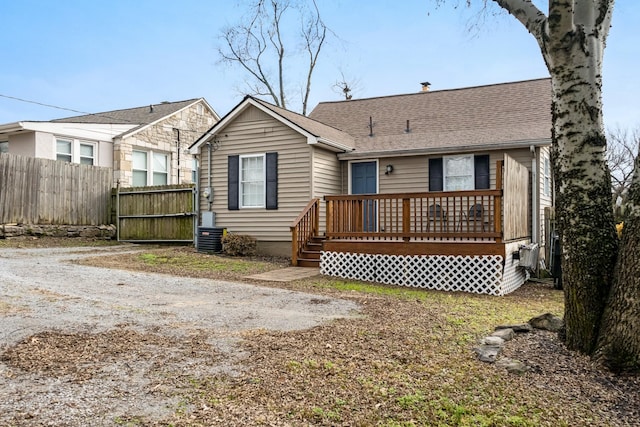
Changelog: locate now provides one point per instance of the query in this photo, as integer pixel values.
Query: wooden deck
(474, 222)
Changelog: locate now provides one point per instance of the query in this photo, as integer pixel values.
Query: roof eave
(335, 146)
(354, 155)
(12, 127)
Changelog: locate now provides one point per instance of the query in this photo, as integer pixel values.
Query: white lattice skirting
(481, 274)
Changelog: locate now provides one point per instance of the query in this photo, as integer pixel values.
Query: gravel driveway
(82, 345)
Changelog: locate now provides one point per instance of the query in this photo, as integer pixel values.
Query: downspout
(209, 198)
(196, 202)
(535, 184)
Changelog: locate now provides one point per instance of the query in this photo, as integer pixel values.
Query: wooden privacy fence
(155, 214)
(516, 200)
(42, 191)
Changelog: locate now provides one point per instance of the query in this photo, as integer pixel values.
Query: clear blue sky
(100, 55)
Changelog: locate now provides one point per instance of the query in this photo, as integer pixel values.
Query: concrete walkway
(286, 274)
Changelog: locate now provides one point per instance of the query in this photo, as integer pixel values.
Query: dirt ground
(84, 342)
(77, 342)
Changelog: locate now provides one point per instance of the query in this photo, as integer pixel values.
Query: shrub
(238, 245)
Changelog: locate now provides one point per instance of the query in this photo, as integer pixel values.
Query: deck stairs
(310, 254)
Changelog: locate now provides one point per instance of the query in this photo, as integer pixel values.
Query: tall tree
(260, 46)
(622, 147)
(572, 38)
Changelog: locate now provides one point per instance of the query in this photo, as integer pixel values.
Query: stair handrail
(304, 227)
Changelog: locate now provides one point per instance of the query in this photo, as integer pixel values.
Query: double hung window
(75, 151)
(86, 154)
(546, 176)
(149, 168)
(460, 172)
(63, 150)
(253, 181)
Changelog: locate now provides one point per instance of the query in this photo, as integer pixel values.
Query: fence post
(406, 218)
(118, 211)
(294, 246)
(329, 216)
(316, 218)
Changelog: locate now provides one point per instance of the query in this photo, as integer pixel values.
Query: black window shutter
(272, 181)
(435, 174)
(481, 168)
(233, 177)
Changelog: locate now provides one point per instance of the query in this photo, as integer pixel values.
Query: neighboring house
(144, 146)
(434, 189)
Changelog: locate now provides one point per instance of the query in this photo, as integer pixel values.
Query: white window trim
(194, 170)
(546, 176)
(149, 170)
(94, 151)
(60, 153)
(75, 148)
(241, 205)
(445, 174)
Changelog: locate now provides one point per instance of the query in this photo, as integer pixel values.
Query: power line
(42, 104)
(81, 112)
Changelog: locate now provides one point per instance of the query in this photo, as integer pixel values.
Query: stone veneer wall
(106, 232)
(161, 138)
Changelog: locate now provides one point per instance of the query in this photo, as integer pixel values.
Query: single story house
(438, 189)
(144, 145)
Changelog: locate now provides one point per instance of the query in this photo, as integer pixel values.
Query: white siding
(254, 132)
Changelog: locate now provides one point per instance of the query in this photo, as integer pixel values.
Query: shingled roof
(316, 131)
(482, 116)
(140, 116)
(314, 127)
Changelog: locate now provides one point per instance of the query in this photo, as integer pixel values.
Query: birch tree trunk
(572, 39)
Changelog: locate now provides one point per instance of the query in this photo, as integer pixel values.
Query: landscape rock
(493, 341)
(547, 322)
(487, 353)
(513, 366)
(505, 334)
(524, 327)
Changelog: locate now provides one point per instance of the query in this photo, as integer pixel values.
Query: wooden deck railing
(445, 215)
(304, 227)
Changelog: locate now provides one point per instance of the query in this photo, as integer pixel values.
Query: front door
(364, 180)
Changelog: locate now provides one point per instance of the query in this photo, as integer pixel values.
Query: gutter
(342, 147)
(444, 150)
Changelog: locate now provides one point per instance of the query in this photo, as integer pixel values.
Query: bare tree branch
(262, 47)
(622, 148)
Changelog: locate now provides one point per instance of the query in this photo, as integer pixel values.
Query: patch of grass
(191, 263)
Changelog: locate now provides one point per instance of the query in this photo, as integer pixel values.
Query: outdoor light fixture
(389, 169)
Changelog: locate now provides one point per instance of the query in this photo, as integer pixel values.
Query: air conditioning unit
(210, 239)
(529, 256)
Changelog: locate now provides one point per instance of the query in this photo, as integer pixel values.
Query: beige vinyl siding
(326, 179)
(410, 174)
(254, 132)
